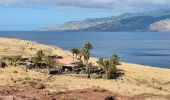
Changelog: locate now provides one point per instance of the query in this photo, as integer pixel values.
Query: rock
(110, 98)
(37, 85)
(30, 65)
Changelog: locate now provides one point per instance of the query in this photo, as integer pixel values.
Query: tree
(90, 65)
(38, 58)
(86, 53)
(88, 46)
(109, 65)
(105, 64)
(49, 62)
(40, 54)
(115, 61)
(77, 51)
(80, 54)
(74, 52)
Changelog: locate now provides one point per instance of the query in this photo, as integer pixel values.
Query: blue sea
(147, 48)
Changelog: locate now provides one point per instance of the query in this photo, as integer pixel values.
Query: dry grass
(137, 79)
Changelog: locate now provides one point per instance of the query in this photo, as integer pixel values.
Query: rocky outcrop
(161, 26)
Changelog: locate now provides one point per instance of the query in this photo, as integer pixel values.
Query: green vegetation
(49, 62)
(38, 59)
(109, 65)
(84, 55)
(41, 60)
(13, 60)
(74, 52)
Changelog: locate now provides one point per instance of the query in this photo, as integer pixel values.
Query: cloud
(111, 5)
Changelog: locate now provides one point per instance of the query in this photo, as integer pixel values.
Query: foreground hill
(139, 81)
(126, 22)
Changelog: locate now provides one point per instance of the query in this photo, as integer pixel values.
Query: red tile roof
(66, 61)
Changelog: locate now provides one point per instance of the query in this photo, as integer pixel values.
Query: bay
(147, 48)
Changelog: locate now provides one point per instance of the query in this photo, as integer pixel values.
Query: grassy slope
(137, 79)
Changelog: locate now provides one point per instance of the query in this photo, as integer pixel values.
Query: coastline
(137, 79)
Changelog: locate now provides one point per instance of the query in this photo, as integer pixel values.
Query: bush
(14, 60)
(2, 64)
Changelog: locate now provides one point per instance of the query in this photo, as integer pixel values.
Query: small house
(67, 64)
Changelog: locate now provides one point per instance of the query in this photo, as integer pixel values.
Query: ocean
(147, 48)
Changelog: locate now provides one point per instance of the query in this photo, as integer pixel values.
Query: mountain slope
(125, 22)
(162, 26)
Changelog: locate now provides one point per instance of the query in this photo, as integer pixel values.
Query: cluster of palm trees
(108, 65)
(83, 55)
(41, 58)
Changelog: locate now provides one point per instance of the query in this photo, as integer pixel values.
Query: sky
(35, 14)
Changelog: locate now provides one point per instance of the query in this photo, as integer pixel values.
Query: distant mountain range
(129, 22)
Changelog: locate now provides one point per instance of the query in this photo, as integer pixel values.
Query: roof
(66, 61)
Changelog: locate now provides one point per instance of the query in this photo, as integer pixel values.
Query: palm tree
(74, 52)
(77, 52)
(80, 54)
(109, 65)
(115, 61)
(86, 53)
(88, 46)
(105, 64)
(86, 56)
(38, 58)
(40, 54)
(90, 65)
(49, 62)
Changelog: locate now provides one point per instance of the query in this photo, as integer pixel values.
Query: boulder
(30, 65)
(37, 85)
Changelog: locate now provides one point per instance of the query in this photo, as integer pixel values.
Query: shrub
(14, 60)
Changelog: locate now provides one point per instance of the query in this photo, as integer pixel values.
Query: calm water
(146, 48)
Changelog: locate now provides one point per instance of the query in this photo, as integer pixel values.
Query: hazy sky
(33, 14)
